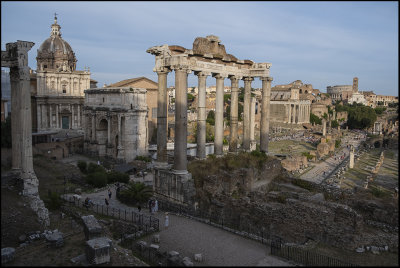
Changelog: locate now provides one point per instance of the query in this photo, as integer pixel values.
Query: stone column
(162, 117)
(351, 163)
(44, 116)
(39, 117)
(119, 132)
(72, 116)
(79, 116)
(265, 106)
(180, 150)
(16, 128)
(290, 113)
(219, 115)
(246, 113)
(323, 127)
(252, 120)
(50, 116)
(57, 117)
(201, 116)
(234, 113)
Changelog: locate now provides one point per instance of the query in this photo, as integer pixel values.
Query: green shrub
(378, 192)
(82, 165)
(337, 143)
(97, 179)
(308, 155)
(135, 193)
(143, 158)
(53, 201)
(92, 168)
(116, 176)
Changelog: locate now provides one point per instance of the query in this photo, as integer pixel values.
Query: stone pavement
(317, 175)
(189, 237)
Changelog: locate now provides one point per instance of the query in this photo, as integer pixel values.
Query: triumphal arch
(207, 58)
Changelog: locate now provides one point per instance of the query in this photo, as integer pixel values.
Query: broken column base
(98, 250)
(178, 186)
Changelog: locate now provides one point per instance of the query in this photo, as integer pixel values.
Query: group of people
(153, 206)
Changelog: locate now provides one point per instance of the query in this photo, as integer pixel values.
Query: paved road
(317, 174)
(189, 237)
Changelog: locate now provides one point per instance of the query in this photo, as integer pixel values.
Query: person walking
(109, 193)
(149, 204)
(166, 221)
(106, 201)
(155, 205)
(139, 208)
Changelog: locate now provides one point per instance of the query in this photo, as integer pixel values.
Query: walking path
(189, 237)
(322, 170)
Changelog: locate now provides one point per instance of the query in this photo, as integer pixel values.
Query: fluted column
(78, 107)
(252, 118)
(201, 116)
(219, 115)
(162, 117)
(246, 113)
(265, 107)
(51, 116)
(108, 130)
(72, 116)
(290, 113)
(234, 113)
(180, 150)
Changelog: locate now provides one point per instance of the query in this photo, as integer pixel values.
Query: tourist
(155, 206)
(166, 222)
(109, 193)
(139, 208)
(105, 199)
(149, 204)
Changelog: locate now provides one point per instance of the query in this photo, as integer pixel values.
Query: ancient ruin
(116, 122)
(207, 57)
(16, 58)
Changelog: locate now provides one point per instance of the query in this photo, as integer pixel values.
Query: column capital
(202, 74)
(181, 67)
(163, 70)
(235, 78)
(219, 76)
(266, 78)
(248, 79)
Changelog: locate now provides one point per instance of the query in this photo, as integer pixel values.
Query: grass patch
(303, 184)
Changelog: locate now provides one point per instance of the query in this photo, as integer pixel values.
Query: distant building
(343, 92)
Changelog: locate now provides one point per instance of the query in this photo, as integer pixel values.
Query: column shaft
(252, 117)
(108, 129)
(51, 116)
(162, 117)
(180, 150)
(234, 114)
(72, 116)
(39, 117)
(79, 116)
(16, 140)
(219, 116)
(265, 107)
(201, 117)
(57, 119)
(246, 113)
(94, 128)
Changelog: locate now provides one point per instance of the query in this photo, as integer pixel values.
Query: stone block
(173, 253)
(154, 247)
(187, 261)
(156, 238)
(78, 191)
(7, 255)
(198, 257)
(92, 227)
(98, 250)
(55, 239)
(141, 245)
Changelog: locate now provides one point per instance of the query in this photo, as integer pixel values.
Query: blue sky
(320, 43)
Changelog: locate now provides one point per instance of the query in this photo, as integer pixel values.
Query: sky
(319, 43)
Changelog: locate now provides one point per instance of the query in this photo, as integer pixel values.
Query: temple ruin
(207, 57)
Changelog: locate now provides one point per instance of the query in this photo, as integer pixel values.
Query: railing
(304, 256)
(140, 219)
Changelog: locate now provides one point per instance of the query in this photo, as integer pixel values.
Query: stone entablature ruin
(58, 95)
(207, 57)
(116, 122)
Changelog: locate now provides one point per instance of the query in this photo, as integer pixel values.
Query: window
(45, 66)
(154, 113)
(64, 89)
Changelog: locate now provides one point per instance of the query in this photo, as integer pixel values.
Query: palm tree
(135, 193)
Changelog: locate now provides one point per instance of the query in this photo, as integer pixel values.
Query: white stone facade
(116, 122)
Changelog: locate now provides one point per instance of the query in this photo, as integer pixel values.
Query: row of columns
(298, 113)
(44, 121)
(181, 73)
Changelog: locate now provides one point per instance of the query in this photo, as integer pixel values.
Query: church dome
(55, 53)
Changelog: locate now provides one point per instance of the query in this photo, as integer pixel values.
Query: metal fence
(147, 222)
(303, 256)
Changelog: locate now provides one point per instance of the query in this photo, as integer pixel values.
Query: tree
(211, 118)
(135, 193)
(315, 119)
(190, 97)
(361, 117)
(334, 124)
